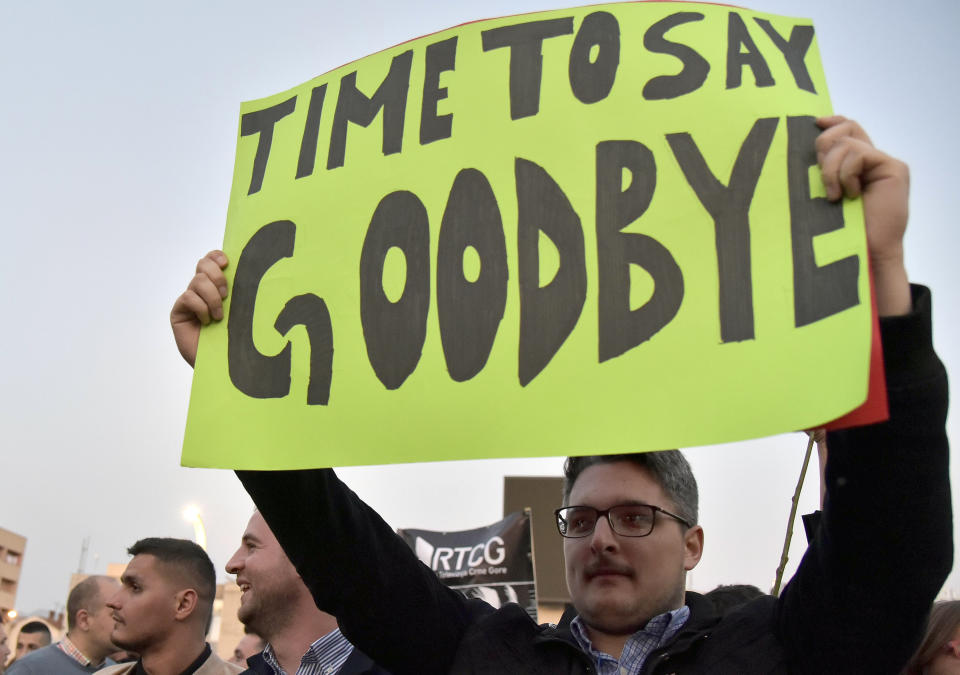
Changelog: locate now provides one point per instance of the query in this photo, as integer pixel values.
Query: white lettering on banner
(502, 551)
(494, 552)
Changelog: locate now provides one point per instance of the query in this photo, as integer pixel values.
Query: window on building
(12, 557)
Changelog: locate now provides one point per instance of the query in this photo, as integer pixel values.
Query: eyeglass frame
(606, 512)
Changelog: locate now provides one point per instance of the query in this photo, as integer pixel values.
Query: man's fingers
(830, 169)
(218, 257)
(190, 307)
(211, 294)
(849, 172)
(211, 268)
(838, 130)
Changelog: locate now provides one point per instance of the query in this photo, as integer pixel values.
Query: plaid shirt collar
(324, 657)
(658, 631)
(71, 650)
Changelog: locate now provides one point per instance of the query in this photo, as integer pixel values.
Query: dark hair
(730, 596)
(189, 559)
(84, 595)
(668, 467)
(31, 627)
(943, 622)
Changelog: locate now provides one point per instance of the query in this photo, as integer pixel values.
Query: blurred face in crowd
(248, 646)
(947, 660)
(31, 642)
(619, 583)
(268, 581)
(97, 622)
(144, 609)
(4, 649)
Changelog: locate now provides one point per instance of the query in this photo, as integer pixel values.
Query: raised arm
(858, 601)
(386, 601)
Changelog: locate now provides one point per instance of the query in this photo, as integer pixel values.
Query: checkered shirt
(658, 631)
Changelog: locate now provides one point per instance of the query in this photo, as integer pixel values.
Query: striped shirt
(658, 631)
(324, 657)
(71, 650)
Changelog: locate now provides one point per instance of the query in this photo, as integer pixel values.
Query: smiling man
(277, 605)
(163, 610)
(857, 604)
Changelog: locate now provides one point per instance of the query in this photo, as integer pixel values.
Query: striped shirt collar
(658, 631)
(324, 657)
(71, 650)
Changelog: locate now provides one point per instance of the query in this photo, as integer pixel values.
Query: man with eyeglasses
(857, 603)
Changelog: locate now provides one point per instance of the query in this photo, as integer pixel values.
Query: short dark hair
(187, 557)
(84, 595)
(32, 627)
(668, 467)
(731, 596)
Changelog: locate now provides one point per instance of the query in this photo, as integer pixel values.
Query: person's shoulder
(34, 662)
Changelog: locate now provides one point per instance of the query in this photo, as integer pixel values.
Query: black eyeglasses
(628, 520)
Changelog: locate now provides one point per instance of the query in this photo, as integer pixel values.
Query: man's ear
(693, 547)
(82, 620)
(186, 603)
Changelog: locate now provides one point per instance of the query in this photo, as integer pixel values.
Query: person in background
(4, 650)
(164, 608)
(276, 604)
(249, 644)
(730, 596)
(939, 653)
(87, 643)
(33, 636)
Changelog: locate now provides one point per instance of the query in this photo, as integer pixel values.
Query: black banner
(493, 563)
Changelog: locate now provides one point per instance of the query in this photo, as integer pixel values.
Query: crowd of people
(328, 587)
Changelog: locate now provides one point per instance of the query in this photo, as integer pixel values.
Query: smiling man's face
(268, 581)
(619, 583)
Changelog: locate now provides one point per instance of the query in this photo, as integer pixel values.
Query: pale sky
(116, 159)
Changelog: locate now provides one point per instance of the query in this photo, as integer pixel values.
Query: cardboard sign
(598, 229)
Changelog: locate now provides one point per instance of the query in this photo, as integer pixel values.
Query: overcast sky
(116, 159)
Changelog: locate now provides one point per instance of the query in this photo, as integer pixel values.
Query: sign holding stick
(594, 229)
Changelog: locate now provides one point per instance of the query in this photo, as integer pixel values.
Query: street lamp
(192, 514)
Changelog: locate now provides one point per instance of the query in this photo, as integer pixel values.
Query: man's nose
(603, 537)
(235, 563)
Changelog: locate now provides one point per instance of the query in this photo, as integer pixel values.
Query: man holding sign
(857, 603)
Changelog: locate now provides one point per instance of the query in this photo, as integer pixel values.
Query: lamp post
(192, 514)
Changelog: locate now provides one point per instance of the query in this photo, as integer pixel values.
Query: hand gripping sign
(594, 229)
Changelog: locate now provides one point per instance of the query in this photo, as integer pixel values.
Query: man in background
(249, 644)
(87, 643)
(275, 604)
(163, 610)
(4, 650)
(33, 635)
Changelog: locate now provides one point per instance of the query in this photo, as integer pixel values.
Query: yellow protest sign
(588, 230)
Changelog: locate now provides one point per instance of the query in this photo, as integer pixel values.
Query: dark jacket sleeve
(884, 545)
(386, 601)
